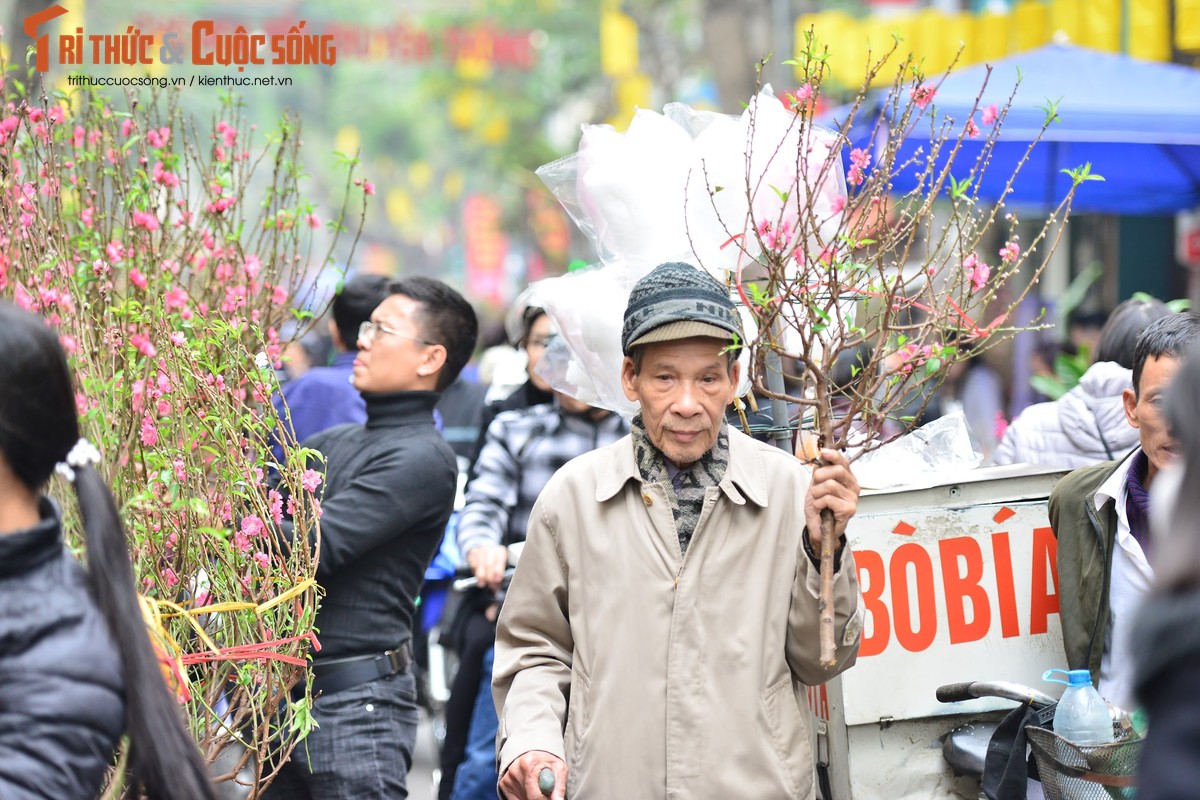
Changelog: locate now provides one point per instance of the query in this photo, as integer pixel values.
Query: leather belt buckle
(395, 661)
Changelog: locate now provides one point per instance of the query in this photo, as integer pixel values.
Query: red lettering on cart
(818, 701)
(872, 581)
(908, 606)
(1043, 603)
(913, 638)
(962, 586)
(1003, 515)
(904, 529)
(1006, 588)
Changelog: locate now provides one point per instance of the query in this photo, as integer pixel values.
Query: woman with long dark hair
(77, 670)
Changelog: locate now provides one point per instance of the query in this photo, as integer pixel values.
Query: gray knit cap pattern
(678, 301)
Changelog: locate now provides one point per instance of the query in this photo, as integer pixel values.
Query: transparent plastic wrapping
(675, 186)
(939, 449)
(588, 309)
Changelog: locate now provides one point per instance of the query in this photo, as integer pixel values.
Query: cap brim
(683, 329)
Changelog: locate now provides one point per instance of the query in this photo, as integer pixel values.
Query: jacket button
(647, 499)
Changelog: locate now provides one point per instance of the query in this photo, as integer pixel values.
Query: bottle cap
(1075, 677)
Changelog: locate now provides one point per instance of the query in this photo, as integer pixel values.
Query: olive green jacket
(1086, 538)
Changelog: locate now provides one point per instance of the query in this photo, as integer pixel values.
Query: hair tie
(81, 455)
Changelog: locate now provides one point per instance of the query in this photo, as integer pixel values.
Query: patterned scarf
(687, 489)
(1137, 503)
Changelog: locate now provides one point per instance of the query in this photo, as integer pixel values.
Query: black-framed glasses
(368, 330)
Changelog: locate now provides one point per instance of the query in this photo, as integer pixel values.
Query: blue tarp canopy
(1136, 122)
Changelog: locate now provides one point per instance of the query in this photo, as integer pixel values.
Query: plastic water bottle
(1082, 716)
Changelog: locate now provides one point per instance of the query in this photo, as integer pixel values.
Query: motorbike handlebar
(462, 584)
(955, 692)
(958, 692)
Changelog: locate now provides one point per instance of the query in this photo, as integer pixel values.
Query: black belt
(337, 674)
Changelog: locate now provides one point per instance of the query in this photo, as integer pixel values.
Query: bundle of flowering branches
(168, 258)
(895, 289)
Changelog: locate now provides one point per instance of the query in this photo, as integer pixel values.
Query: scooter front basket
(1074, 772)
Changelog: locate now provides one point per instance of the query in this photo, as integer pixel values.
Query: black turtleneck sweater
(388, 493)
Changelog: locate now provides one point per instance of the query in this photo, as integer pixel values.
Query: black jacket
(1167, 683)
(388, 493)
(62, 706)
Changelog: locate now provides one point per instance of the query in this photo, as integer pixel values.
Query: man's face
(1144, 412)
(399, 361)
(683, 388)
(535, 347)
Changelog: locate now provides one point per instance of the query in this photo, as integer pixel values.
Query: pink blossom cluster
(775, 239)
(922, 95)
(859, 160)
(976, 271)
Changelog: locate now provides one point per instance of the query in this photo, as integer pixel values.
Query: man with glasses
(389, 487)
(325, 396)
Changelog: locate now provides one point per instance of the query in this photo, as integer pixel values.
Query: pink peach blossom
(923, 95)
(977, 271)
(145, 219)
(149, 434)
(143, 344)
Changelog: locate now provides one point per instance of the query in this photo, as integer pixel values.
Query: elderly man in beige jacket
(663, 618)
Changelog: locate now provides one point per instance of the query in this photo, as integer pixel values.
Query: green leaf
(1081, 174)
(1051, 111)
(1048, 386)
(958, 190)
(1077, 289)
(932, 366)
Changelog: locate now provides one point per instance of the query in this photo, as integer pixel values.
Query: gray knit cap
(678, 301)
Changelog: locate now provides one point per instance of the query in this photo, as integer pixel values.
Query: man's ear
(432, 361)
(1129, 400)
(735, 377)
(628, 380)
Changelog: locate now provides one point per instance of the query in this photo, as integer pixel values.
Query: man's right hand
(520, 780)
(488, 562)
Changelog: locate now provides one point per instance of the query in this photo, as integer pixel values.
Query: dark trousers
(478, 636)
(476, 778)
(363, 748)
